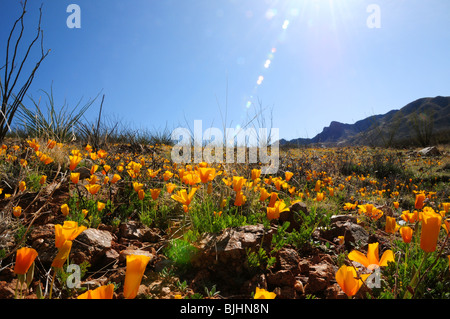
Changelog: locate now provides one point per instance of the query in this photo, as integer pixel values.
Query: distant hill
(423, 122)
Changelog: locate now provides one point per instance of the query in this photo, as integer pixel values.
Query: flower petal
(359, 257)
(388, 255)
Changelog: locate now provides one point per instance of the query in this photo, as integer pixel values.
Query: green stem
(51, 285)
(434, 263)
(17, 287)
(414, 281)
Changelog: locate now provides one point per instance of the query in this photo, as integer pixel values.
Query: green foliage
(210, 293)
(63, 275)
(379, 165)
(418, 275)
(20, 232)
(203, 219)
(94, 217)
(32, 181)
(259, 260)
(155, 215)
(180, 251)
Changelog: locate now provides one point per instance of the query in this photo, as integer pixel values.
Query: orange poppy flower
(75, 177)
(43, 179)
(102, 292)
(288, 176)
(431, 225)
(155, 193)
(141, 194)
(406, 233)
(115, 178)
(22, 186)
(263, 294)
(170, 187)
(65, 209)
(346, 277)
(419, 203)
(275, 211)
(255, 174)
(93, 188)
(240, 199)
(24, 259)
(183, 197)
(264, 194)
(372, 260)
(17, 211)
(68, 231)
(74, 161)
(63, 253)
(391, 225)
(135, 269)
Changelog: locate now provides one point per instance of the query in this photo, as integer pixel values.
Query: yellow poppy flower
(431, 225)
(346, 277)
(372, 261)
(102, 292)
(263, 294)
(135, 269)
(24, 259)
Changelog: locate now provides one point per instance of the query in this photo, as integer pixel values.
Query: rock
(281, 278)
(299, 206)
(96, 239)
(43, 241)
(229, 246)
(136, 230)
(429, 151)
(288, 259)
(84, 172)
(6, 290)
(342, 218)
(7, 273)
(124, 253)
(285, 292)
(289, 216)
(333, 291)
(353, 233)
(320, 276)
(143, 291)
(110, 256)
(44, 231)
(7, 241)
(91, 246)
(258, 280)
(165, 291)
(303, 266)
(298, 286)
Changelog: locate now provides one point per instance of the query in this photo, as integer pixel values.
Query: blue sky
(176, 61)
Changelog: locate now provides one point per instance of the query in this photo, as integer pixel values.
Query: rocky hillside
(422, 122)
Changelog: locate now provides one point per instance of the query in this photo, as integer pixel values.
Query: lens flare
(260, 80)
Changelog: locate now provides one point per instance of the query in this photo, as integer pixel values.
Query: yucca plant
(59, 124)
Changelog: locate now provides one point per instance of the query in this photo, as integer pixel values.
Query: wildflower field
(127, 222)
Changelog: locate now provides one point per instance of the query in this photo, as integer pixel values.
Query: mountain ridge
(422, 122)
